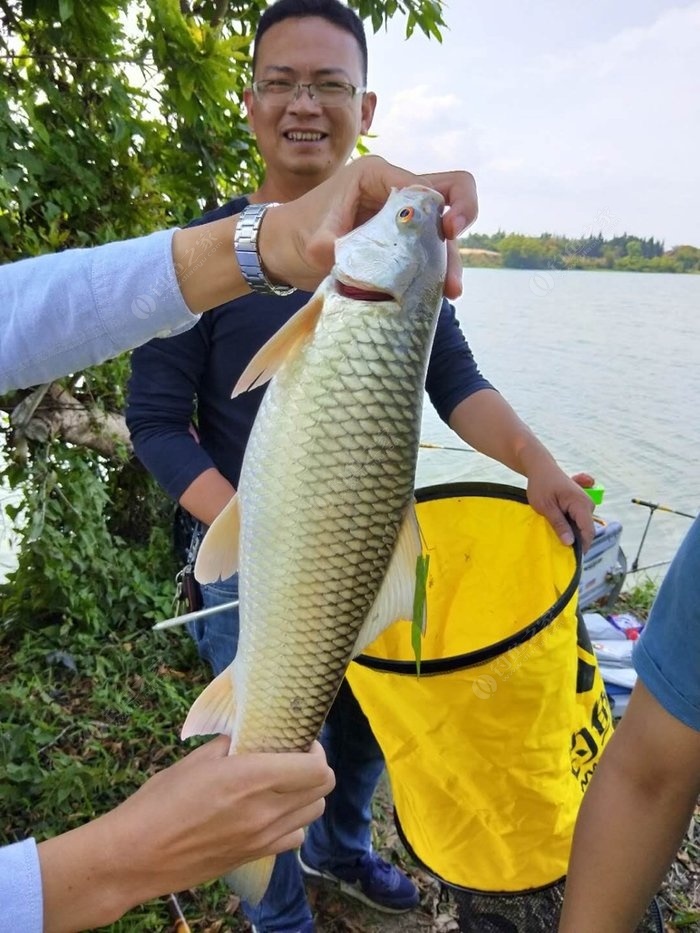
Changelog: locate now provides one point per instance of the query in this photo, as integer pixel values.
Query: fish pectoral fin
(250, 881)
(214, 710)
(217, 558)
(396, 595)
(286, 342)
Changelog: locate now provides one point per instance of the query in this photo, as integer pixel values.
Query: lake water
(605, 368)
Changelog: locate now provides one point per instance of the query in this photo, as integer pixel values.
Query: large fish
(323, 531)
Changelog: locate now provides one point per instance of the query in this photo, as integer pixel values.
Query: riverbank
(623, 253)
(492, 259)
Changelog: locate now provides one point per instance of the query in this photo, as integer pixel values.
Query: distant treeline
(634, 254)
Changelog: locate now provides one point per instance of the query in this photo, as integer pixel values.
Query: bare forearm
(83, 880)
(487, 423)
(632, 819)
(207, 495)
(206, 267)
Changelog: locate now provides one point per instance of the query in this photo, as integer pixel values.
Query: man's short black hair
(332, 10)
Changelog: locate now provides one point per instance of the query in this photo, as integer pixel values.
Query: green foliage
(82, 728)
(639, 598)
(633, 254)
(82, 572)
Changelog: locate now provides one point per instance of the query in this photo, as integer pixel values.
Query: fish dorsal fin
(214, 710)
(395, 597)
(217, 557)
(251, 880)
(283, 344)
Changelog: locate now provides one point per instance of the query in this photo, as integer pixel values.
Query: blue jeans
(343, 834)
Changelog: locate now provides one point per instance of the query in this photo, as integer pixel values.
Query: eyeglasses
(325, 93)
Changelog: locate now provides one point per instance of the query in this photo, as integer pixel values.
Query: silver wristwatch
(245, 244)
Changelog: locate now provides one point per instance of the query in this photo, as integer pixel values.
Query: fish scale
(325, 505)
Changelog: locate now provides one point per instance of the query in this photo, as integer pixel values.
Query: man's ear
(249, 101)
(369, 102)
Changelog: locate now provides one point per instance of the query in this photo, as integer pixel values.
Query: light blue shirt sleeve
(62, 312)
(21, 901)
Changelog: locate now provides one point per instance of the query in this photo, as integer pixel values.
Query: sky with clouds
(573, 117)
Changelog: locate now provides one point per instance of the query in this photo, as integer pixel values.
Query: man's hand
(561, 500)
(188, 824)
(297, 239)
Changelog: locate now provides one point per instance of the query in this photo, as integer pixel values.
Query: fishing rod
(180, 924)
(191, 616)
(653, 507)
(462, 450)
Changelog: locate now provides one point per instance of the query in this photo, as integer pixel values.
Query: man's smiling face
(302, 142)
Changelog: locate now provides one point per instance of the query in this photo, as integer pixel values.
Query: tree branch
(220, 11)
(61, 415)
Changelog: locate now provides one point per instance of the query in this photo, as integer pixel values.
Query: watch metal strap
(245, 244)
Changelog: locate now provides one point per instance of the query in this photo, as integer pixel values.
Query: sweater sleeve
(21, 900)
(452, 371)
(62, 312)
(165, 375)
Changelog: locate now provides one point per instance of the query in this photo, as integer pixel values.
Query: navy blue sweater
(188, 379)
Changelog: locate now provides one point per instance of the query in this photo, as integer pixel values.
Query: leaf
(186, 80)
(419, 601)
(11, 176)
(65, 9)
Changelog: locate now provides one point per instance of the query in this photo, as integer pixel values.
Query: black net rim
(489, 652)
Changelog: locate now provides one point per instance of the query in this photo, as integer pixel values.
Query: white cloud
(422, 126)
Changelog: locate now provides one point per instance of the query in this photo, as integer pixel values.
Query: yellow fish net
(489, 750)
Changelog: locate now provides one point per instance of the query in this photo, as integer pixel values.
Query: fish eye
(405, 215)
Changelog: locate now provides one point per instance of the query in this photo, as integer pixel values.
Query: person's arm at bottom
(188, 824)
(632, 819)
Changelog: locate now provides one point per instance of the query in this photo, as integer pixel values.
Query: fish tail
(251, 880)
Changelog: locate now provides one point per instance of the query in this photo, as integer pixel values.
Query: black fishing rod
(653, 507)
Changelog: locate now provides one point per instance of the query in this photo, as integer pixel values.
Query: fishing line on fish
(191, 616)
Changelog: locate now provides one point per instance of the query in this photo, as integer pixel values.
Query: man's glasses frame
(325, 93)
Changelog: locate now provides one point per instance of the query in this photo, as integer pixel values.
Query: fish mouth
(360, 291)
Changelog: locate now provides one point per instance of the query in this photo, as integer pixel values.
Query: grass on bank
(83, 722)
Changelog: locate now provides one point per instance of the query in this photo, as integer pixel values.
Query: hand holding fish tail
(188, 824)
(348, 199)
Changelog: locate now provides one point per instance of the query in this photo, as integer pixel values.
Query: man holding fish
(307, 106)
(209, 813)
